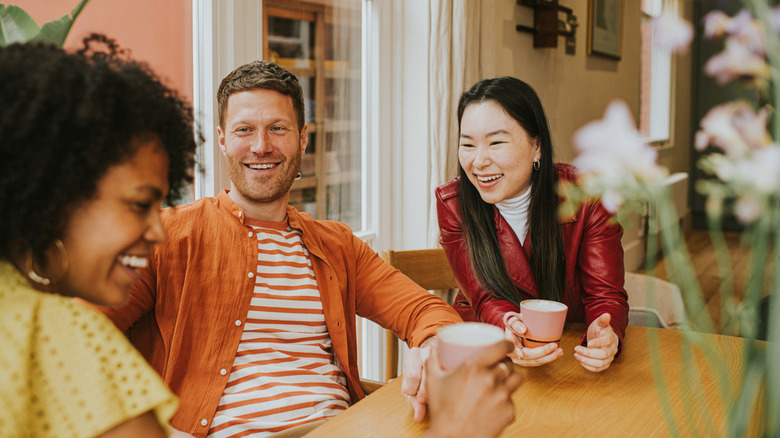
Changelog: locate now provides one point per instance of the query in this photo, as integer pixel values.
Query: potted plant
(17, 26)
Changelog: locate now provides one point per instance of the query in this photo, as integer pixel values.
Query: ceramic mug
(543, 320)
(459, 342)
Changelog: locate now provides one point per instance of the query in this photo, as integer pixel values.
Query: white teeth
(489, 178)
(133, 261)
(261, 166)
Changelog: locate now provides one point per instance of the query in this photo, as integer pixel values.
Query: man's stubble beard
(282, 184)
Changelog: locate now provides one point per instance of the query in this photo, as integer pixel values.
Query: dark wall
(706, 93)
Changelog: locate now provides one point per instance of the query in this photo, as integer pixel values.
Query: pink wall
(158, 32)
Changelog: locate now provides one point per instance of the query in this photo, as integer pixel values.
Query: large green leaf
(16, 25)
(56, 31)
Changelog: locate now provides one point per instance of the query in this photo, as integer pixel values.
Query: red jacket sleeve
(600, 268)
(472, 298)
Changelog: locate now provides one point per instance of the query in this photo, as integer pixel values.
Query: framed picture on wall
(605, 22)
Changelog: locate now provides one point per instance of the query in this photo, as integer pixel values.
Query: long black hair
(520, 102)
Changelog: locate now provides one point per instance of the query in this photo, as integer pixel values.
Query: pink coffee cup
(543, 320)
(459, 342)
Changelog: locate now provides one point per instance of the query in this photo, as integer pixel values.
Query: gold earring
(44, 281)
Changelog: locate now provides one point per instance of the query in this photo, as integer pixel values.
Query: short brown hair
(261, 75)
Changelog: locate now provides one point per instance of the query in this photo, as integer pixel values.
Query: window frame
(228, 34)
(656, 117)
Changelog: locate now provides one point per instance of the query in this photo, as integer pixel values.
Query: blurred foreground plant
(743, 157)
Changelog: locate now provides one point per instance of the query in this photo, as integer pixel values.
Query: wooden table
(564, 399)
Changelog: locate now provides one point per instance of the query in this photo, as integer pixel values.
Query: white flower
(671, 32)
(747, 210)
(774, 18)
(735, 128)
(721, 166)
(614, 160)
(737, 60)
(761, 172)
(715, 24)
(611, 200)
(753, 178)
(747, 32)
(745, 52)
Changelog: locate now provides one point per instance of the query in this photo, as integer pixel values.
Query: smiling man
(248, 311)
(263, 140)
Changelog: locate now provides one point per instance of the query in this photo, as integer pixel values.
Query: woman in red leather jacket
(503, 236)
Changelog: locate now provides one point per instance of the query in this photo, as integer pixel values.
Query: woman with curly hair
(91, 144)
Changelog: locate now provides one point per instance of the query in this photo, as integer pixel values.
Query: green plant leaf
(56, 31)
(16, 25)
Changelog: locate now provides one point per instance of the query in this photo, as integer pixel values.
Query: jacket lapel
(515, 256)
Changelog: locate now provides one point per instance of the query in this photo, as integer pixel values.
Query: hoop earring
(44, 281)
(537, 165)
(298, 176)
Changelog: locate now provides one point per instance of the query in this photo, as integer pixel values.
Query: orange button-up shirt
(187, 314)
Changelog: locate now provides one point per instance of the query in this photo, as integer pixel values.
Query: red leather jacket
(594, 262)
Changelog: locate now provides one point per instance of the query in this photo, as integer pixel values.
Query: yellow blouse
(65, 370)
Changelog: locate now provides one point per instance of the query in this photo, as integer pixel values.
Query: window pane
(655, 79)
(652, 7)
(645, 72)
(320, 42)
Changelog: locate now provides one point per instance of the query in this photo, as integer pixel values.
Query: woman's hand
(514, 332)
(473, 400)
(602, 345)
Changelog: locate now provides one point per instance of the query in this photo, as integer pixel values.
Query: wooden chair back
(428, 268)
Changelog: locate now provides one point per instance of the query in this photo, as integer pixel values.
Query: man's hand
(602, 345)
(414, 383)
(475, 399)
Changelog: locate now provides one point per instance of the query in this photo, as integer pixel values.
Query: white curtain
(342, 157)
(454, 66)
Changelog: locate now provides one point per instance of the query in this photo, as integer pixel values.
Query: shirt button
(251, 275)
(223, 371)
(204, 422)
(239, 215)
(238, 323)
(250, 234)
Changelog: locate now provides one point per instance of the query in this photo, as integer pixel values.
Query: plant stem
(765, 363)
(654, 344)
(727, 322)
(760, 9)
(758, 234)
(755, 368)
(773, 335)
(680, 266)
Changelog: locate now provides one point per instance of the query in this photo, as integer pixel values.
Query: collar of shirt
(515, 211)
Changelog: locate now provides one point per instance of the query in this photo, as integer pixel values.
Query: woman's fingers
(531, 357)
(594, 359)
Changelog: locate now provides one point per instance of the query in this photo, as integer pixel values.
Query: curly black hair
(65, 119)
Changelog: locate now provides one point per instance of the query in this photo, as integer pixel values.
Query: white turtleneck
(515, 211)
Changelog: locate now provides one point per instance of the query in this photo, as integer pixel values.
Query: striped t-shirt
(284, 373)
